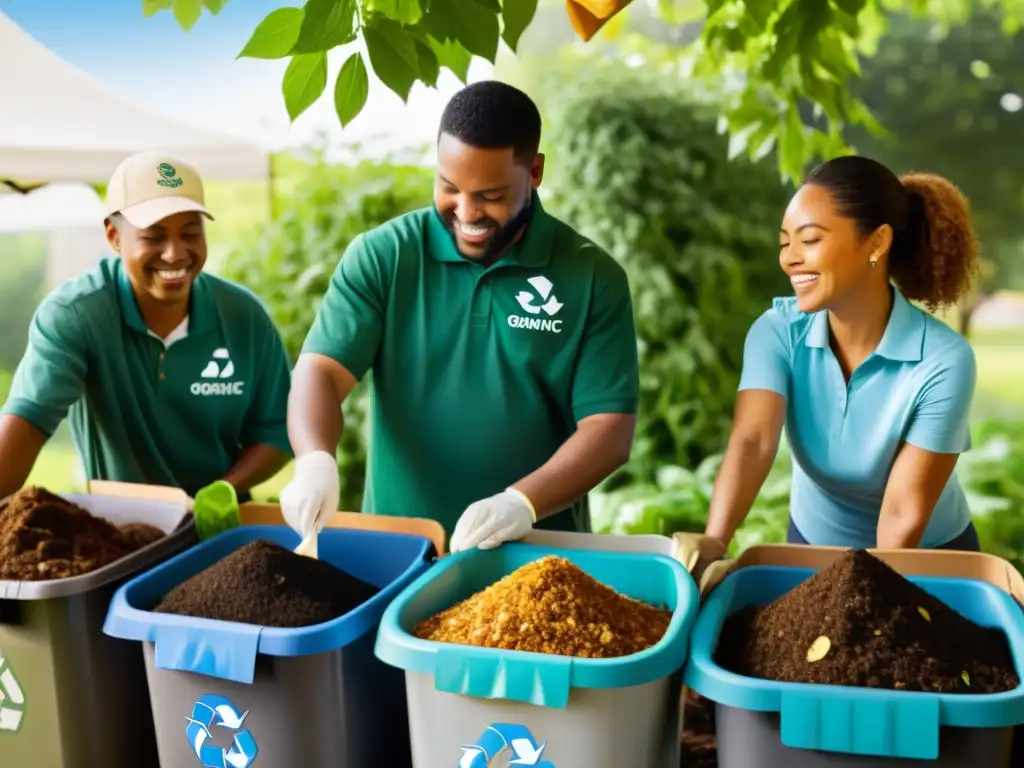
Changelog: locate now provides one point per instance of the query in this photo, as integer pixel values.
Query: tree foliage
(771, 55)
(402, 42)
(778, 54)
(642, 171)
(289, 260)
(966, 122)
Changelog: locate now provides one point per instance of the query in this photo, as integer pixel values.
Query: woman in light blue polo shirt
(875, 394)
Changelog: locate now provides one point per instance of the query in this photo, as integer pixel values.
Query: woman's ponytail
(934, 258)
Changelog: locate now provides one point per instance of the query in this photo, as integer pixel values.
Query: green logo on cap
(170, 176)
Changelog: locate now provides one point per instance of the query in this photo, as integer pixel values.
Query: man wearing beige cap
(169, 375)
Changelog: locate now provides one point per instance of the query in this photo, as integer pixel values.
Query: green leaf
(351, 89)
(472, 25)
(494, 6)
(402, 11)
(215, 6)
(304, 81)
(150, 7)
(516, 16)
(275, 36)
(792, 145)
(452, 55)
(428, 67)
(326, 24)
(392, 54)
(739, 140)
(187, 12)
(852, 7)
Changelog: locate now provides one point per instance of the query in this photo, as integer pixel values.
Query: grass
(1000, 389)
(1000, 356)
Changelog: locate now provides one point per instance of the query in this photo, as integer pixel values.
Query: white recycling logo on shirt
(544, 288)
(213, 369)
(12, 698)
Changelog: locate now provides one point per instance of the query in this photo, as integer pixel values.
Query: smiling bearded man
(170, 376)
(502, 345)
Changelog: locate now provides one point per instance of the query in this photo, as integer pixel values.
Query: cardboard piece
(139, 491)
(253, 513)
(908, 562)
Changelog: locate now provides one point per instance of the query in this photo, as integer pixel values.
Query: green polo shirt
(479, 374)
(141, 411)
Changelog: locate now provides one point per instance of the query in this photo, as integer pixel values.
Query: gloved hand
(713, 575)
(506, 516)
(702, 556)
(312, 495)
(697, 551)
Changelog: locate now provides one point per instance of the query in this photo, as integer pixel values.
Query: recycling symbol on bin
(213, 710)
(498, 737)
(12, 698)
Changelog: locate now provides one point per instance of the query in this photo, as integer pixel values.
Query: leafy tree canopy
(772, 55)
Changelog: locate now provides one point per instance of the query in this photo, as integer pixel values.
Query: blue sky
(195, 77)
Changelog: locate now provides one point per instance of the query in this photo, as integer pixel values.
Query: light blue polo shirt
(917, 387)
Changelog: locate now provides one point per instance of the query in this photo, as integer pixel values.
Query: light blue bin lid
(227, 649)
(536, 678)
(868, 721)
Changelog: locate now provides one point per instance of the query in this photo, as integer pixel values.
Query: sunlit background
(635, 161)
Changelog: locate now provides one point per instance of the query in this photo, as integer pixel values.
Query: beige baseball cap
(150, 186)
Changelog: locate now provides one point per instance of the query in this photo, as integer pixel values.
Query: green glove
(216, 509)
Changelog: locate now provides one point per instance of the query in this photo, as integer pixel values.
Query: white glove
(506, 516)
(312, 495)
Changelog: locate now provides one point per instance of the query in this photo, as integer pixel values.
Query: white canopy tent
(70, 217)
(57, 124)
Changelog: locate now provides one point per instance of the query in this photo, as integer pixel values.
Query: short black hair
(493, 115)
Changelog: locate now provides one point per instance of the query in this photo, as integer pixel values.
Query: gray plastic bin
(483, 707)
(231, 695)
(71, 697)
(767, 724)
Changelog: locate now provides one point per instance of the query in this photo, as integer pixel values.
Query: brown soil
(699, 748)
(550, 606)
(882, 632)
(43, 536)
(265, 584)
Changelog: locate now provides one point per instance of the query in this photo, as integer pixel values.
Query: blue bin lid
(536, 678)
(869, 721)
(228, 650)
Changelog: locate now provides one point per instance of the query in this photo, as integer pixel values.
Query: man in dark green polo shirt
(170, 376)
(501, 342)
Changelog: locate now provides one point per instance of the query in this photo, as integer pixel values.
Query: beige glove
(713, 575)
(696, 552)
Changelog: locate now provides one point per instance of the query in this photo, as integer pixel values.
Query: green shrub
(289, 263)
(639, 167)
(993, 478)
(992, 474)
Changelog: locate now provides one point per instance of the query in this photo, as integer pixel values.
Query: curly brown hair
(940, 267)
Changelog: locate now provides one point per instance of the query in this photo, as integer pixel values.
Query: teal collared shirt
(916, 388)
(145, 411)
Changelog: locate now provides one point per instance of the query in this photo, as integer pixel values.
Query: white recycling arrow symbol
(12, 698)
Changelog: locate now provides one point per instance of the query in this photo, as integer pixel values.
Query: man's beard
(502, 238)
